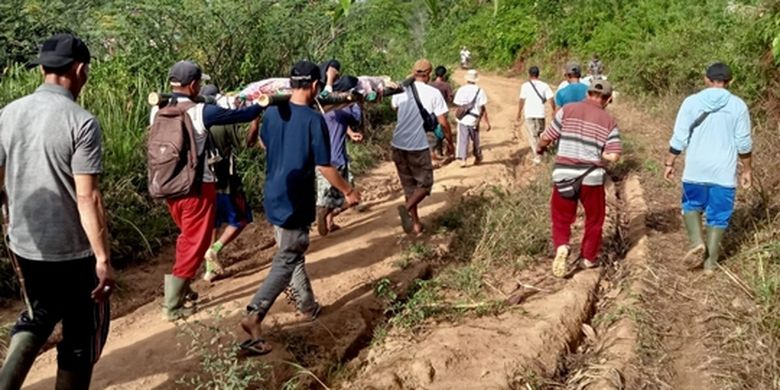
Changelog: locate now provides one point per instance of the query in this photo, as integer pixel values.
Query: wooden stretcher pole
(12, 256)
(162, 99)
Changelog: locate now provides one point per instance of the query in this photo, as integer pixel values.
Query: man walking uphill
(588, 139)
(574, 90)
(534, 93)
(473, 100)
(194, 210)
(296, 141)
(342, 123)
(232, 206)
(411, 153)
(50, 152)
(713, 128)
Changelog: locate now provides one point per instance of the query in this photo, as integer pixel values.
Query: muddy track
(529, 344)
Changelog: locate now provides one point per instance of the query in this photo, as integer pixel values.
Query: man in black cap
(571, 90)
(297, 142)
(50, 158)
(194, 213)
(713, 128)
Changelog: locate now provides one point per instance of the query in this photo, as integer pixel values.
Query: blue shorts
(233, 209)
(715, 201)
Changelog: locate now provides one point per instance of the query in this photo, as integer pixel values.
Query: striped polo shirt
(584, 131)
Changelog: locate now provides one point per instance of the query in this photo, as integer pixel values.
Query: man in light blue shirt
(713, 127)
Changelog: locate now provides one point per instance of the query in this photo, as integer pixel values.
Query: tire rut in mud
(541, 342)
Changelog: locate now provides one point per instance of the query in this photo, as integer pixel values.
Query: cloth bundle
(368, 87)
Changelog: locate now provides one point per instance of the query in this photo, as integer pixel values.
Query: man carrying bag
(410, 146)
(588, 139)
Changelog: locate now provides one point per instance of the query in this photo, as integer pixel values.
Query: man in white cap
(471, 100)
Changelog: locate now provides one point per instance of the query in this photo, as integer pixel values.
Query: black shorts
(61, 291)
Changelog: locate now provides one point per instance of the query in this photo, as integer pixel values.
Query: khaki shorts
(415, 170)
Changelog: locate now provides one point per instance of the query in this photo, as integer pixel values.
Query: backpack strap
(697, 122)
(542, 98)
(420, 107)
(474, 102)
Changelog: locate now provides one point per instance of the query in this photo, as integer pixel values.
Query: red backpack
(175, 168)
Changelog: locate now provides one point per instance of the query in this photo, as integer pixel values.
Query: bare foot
(251, 325)
(418, 229)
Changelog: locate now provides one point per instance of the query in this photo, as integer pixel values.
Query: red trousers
(564, 212)
(194, 215)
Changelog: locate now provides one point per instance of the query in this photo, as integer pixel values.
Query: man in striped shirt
(588, 140)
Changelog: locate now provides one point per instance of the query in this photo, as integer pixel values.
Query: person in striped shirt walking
(588, 140)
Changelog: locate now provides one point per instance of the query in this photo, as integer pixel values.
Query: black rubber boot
(73, 380)
(22, 351)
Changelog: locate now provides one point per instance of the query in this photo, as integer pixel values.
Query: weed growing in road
(417, 251)
(218, 352)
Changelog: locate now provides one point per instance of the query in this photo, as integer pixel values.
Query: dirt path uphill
(144, 352)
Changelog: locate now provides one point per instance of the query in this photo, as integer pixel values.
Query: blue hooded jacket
(711, 154)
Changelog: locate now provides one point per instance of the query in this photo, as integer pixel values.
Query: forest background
(652, 49)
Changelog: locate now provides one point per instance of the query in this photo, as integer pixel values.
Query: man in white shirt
(534, 93)
(465, 57)
(410, 145)
(468, 126)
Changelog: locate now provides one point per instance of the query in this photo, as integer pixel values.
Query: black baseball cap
(210, 90)
(183, 73)
(719, 72)
(573, 68)
(305, 71)
(61, 50)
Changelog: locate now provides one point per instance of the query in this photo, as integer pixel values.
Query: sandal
(334, 227)
(256, 347)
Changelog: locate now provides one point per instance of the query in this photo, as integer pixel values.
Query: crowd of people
(51, 153)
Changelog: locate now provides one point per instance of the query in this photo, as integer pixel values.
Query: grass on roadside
(218, 354)
(495, 234)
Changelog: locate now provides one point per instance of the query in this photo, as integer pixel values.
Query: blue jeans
(717, 202)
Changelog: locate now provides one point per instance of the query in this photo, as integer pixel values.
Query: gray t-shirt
(45, 139)
(409, 133)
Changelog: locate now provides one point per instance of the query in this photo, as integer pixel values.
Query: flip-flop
(406, 219)
(250, 347)
(334, 227)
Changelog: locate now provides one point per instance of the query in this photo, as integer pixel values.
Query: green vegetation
(217, 351)
(493, 235)
(133, 45)
(658, 46)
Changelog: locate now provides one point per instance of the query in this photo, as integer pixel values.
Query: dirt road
(143, 350)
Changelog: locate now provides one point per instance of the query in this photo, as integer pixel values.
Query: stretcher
(273, 91)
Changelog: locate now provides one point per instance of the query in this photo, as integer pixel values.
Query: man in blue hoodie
(713, 127)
